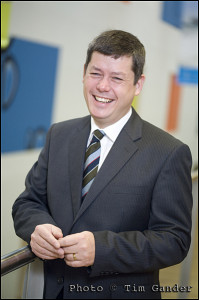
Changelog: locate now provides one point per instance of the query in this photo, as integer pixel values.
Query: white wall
(71, 25)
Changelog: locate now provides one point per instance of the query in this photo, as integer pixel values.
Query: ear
(139, 84)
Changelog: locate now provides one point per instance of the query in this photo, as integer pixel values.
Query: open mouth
(102, 100)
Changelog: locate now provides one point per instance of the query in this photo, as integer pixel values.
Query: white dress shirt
(111, 134)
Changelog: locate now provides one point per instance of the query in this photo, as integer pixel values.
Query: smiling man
(109, 87)
(108, 203)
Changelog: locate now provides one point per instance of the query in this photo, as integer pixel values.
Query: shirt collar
(113, 130)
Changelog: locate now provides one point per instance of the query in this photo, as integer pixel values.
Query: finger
(42, 246)
(40, 241)
(72, 257)
(44, 256)
(70, 240)
(45, 232)
(70, 249)
(43, 242)
(49, 238)
(56, 231)
(44, 253)
(73, 263)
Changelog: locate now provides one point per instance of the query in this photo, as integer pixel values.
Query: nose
(103, 85)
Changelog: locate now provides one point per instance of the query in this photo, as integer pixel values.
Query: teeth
(103, 100)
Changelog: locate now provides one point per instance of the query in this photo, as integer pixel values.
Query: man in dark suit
(111, 240)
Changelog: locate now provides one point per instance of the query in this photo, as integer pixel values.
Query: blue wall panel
(28, 77)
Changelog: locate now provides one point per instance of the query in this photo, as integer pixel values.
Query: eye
(117, 79)
(95, 74)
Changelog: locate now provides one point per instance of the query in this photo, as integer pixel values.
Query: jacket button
(60, 280)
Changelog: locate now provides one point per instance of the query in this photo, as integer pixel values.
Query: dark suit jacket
(139, 208)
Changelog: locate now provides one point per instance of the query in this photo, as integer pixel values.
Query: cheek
(88, 85)
(129, 94)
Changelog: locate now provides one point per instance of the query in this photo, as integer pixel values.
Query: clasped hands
(78, 250)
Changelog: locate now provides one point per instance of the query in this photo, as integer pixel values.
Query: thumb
(56, 232)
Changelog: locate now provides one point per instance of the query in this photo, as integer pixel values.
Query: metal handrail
(194, 175)
(16, 259)
(24, 256)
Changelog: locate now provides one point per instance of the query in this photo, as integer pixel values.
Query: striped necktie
(91, 161)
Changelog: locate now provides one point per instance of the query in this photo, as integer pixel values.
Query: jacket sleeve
(167, 238)
(31, 208)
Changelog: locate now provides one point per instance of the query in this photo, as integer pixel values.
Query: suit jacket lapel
(77, 152)
(122, 150)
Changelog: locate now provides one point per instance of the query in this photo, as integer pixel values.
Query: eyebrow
(118, 73)
(96, 69)
(113, 73)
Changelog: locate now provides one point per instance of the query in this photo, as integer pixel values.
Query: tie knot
(99, 134)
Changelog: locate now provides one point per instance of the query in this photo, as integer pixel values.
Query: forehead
(109, 63)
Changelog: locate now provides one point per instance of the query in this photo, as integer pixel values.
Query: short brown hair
(118, 43)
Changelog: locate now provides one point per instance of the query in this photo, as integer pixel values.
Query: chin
(98, 114)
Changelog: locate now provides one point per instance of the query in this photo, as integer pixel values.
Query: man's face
(109, 88)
